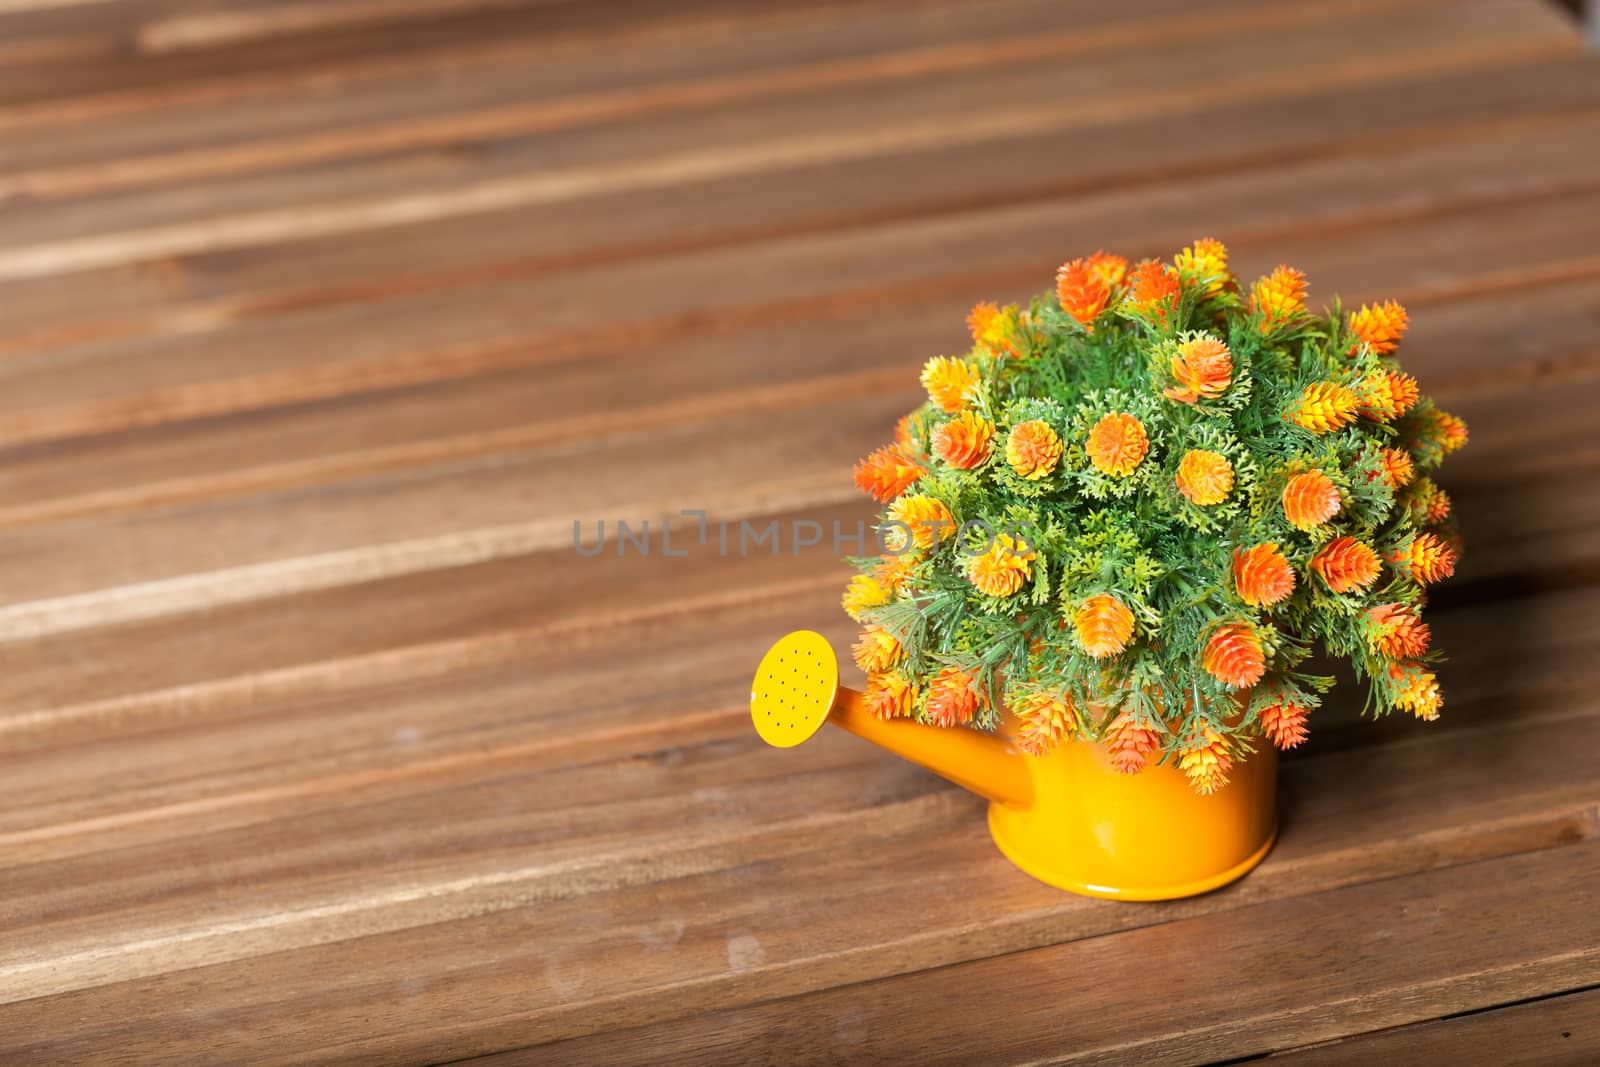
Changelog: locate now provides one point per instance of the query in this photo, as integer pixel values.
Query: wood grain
(321, 323)
(1551, 1031)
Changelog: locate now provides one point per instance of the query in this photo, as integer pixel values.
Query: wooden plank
(1457, 348)
(204, 293)
(1450, 940)
(773, 924)
(455, 514)
(329, 201)
(175, 51)
(1559, 1031)
(214, 361)
(772, 53)
(160, 698)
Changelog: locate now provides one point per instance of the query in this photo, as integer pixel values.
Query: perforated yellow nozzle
(794, 688)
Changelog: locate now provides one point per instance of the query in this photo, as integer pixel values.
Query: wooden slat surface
(320, 324)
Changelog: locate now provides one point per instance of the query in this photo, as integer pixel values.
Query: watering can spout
(796, 689)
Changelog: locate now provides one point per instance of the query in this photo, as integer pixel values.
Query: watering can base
(1049, 866)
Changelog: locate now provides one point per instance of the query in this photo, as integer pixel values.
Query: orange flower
(1204, 261)
(1427, 504)
(1153, 289)
(1426, 557)
(1206, 762)
(1279, 298)
(1203, 368)
(965, 441)
(952, 699)
(1325, 407)
(1044, 720)
(948, 381)
(1108, 268)
(1083, 292)
(1262, 576)
(1117, 444)
(1386, 395)
(1284, 723)
(1380, 327)
(995, 328)
(1033, 449)
(1233, 655)
(927, 519)
(1205, 477)
(1346, 565)
(1310, 499)
(1397, 467)
(1003, 569)
(892, 572)
(890, 695)
(886, 473)
(1416, 689)
(862, 595)
(980, 318)
(903, 437)
(1129, 744)
(1395, 631)
(1452, 432)
(1104, 625)
(877, 650)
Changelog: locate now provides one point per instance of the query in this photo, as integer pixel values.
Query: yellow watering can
(1068, 818)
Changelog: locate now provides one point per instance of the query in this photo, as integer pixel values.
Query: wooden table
(321, 324)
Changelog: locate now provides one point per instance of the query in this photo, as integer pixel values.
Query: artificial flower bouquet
(1130, 512)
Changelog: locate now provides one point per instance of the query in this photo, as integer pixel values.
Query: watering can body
(1068, 817)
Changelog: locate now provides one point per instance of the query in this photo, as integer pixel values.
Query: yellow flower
(1205, 477)
(1033, 449)
(1204, 261)
(1117, 444)
(1206, 762)
(1386, 395)
(1397, 632)
(1003, 569)
(948, 381)
(862, 595)
(1279, 298)
(890, 695)
(1044, 720)
(1398, 469)
(877, 650)
(1325, 407)
(927, 519)
(1416, 690)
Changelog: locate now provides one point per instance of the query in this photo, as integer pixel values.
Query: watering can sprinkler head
(796, 689)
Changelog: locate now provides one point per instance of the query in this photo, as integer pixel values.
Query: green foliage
(1146, 539)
